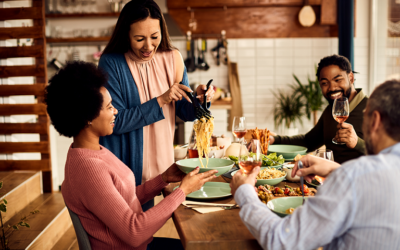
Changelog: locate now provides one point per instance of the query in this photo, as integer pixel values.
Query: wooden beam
(22, 89)
(23, 109)
(24, 147)
(329, 12)
(30, 70)
(20, 13)
(36, 165)
(22, 128)
(24, 51)
(265, 22)
(21, 32)
(184, 4)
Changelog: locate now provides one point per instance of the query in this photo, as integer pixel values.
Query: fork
(300, 166)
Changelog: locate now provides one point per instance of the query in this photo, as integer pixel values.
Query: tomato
(287, 191)
(306, 190)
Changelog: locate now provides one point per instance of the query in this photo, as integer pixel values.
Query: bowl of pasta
(284, 206)
(222, 165)
(270, 176)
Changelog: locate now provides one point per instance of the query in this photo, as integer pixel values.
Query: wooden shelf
(78, 39)
(71, 15)
(220, 104)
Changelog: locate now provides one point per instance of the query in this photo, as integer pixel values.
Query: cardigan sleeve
(128, 119)
(102, 198)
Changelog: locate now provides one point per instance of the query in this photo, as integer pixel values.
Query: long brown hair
(135, 11)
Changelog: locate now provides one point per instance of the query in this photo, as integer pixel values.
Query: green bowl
(280, 205)
(287, 151)
(271, 182)
(222, 165)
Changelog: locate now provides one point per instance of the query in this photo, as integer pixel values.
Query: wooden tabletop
(216, 230)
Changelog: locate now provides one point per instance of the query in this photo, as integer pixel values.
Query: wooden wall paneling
(31, 165)
(329, 12)
(24, 147)
(236, 3)
(30, 70)
(257, 22)
(21, 32)
(20, 13)
(23, 109)
(25, 51)
(44, 118)
(22, 89)
(22, 128)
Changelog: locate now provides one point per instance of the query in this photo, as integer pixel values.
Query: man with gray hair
(356, 208)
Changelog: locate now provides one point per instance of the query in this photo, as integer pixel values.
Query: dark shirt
(325, 131)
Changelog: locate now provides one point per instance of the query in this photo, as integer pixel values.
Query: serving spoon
(300, 166)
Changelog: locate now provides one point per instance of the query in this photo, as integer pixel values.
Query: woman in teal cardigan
(138, 55)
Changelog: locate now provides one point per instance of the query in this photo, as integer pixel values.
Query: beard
(345, 93)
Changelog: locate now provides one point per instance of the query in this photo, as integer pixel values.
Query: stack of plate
(287, 151)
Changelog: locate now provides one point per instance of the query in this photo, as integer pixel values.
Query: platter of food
(211, 190)
(269, 176)
(268, 160)
(268, 192)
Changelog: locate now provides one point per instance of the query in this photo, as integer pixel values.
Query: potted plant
(314, 99)
(289, 109)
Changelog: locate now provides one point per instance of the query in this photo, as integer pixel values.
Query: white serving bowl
(219, 153)
(288, 169)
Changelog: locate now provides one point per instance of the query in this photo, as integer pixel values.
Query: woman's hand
(175, 93)
(194, 181)
(314, 166)
(173, 174)
(200, 93)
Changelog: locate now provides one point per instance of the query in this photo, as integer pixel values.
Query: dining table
(215, 230)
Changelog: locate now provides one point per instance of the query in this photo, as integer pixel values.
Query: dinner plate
(211, 190)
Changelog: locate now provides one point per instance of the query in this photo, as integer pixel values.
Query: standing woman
(144, 75)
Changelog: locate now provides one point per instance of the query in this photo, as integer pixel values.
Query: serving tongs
(201, 111)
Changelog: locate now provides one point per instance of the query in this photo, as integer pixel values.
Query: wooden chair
(81, 234)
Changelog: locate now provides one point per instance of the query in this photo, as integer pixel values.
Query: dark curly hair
(342, 62)
(73, 96)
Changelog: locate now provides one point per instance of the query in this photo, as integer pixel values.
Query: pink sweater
(101, 190)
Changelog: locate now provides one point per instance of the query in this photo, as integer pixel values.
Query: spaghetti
(203, 129)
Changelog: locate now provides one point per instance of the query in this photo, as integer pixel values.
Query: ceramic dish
(271, 182)
(288, 169)
(280, 205)
(211, 190)
(222, 165)
(287, 151)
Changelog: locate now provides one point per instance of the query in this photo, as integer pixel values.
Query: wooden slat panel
(37, 165)
(236, 3)
(24, 147)
(22, 128)
(23, 109)
(24, 51)
(20, 13)
(21, 32)
(329, 12)
(31, 70)
(22, 89)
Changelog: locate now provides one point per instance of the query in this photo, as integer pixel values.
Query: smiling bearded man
(336, 80)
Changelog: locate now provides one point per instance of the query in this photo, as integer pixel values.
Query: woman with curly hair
(144, 74)
(99, 187)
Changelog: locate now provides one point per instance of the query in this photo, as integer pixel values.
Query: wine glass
(249, 160)
(340, 112)
(239, 127)
(324, 153)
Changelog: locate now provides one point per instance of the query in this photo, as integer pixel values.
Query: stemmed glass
(324, 153)
(239, 127)
(340, 112)
(252, 160)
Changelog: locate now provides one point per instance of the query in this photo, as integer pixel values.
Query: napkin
(204, 210)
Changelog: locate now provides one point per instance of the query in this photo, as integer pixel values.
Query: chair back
(81, 234)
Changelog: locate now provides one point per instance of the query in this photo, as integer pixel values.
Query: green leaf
(27, 225)
(15, 227)
(5, 201)
(3, 208)
(1, 185)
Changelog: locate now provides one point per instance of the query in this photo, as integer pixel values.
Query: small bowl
(280, 205)
(222, 165)
(271, 182)
(219, 153)
(288, 169)
(180, 153)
